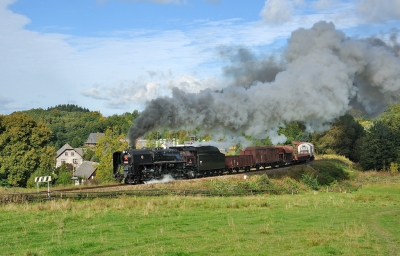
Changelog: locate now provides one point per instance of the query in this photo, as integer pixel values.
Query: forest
(29, 140)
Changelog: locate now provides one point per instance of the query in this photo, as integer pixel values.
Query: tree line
(29, 140)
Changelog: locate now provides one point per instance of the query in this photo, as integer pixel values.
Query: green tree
(106, 146)
(379, 148)
(23, 148)
(342, 138)
(294, 131)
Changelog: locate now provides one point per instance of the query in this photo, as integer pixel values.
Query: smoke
(326, 74)
(246, 68)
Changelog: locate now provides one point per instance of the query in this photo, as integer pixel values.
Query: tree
(379, 148)
(23, 148)
(294, 131)
(341, 138)
(106, 146)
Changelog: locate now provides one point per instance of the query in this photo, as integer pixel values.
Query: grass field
(365, 222)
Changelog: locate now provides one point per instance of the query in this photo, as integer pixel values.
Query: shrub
(64, 179)
(310, 181)
(394, 168)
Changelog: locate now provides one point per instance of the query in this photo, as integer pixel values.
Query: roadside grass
(364, 222)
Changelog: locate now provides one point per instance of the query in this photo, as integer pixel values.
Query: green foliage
(38, 173)
(310, 181)
(88, 155)
(291, 185)
(342, 138)
(72, 124)
(68, 108)
(23, 148)
(391, 118)
(294, 131)
(64, 179)
(379, 148)
(394, 168)
(330, 171)
(106, 146)
(151, 144)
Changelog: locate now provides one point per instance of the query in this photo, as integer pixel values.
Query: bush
(310, 181)
(64, 179)
(394, 168)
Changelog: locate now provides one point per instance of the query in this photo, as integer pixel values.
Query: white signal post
(43, 179)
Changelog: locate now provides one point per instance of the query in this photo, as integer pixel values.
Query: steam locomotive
(136, 166)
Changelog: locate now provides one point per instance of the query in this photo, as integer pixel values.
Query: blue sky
(114, 55)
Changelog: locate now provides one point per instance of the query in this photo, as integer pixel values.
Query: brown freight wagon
(262, 156)
(240, 162)
(285, 154)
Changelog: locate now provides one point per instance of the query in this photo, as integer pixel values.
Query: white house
(69, 155)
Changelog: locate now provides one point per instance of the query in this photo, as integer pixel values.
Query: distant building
(93, 139)
(69, 155)
(86, 171)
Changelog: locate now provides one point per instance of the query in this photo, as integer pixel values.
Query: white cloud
(378, 10)
(277, 11)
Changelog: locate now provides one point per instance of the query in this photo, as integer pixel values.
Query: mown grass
(315, 223)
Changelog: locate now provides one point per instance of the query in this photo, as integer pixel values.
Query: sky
(113, 56)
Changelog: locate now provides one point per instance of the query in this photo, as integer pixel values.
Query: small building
(86, 171)
(69, 155)
(93, 139)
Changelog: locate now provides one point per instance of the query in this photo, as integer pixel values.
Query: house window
(66, 153)
(75, 161)
(72, 153)
(62, 160)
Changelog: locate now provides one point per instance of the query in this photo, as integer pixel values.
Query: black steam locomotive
(141, 165)
(136, 166)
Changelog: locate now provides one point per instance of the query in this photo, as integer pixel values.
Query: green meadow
(363, 222)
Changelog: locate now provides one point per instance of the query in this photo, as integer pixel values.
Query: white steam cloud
(165, 179)
(326, 74)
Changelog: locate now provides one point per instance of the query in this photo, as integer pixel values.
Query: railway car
(304, 151)
(239, 162)
(285, 155)
(262, 156)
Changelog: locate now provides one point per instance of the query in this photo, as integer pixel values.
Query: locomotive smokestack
(326, 74)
